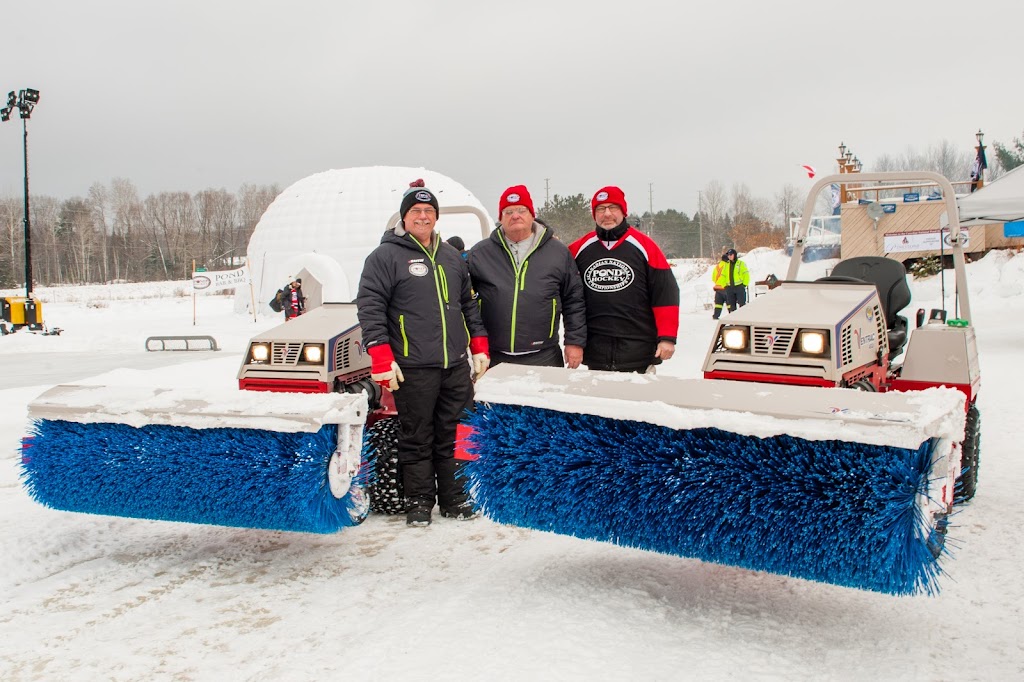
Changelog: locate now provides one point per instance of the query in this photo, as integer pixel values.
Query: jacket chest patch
(608, 274)
(418, 269)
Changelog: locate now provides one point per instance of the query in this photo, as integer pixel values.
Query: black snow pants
(430, 403)
(619, 354)
(548, 357)
(735, 296)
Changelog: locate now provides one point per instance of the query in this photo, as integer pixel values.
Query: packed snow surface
(91, 597)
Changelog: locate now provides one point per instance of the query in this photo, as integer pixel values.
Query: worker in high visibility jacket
(731, 279)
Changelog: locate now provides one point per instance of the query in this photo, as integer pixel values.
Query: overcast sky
(189, 95)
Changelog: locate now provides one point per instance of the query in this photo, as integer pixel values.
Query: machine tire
(387, 493)
(360, 509)
(967, 482)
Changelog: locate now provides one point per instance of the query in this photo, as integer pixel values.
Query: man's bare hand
(573, 356)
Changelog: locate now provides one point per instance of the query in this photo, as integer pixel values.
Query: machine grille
(341, 354)
(773, 341)
(284, 353)
(846, 345)
(883, 337)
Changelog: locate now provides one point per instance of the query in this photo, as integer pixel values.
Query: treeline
(725, 219)
(113, 234)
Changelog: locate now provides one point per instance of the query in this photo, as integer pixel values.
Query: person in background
(632, 297)
(460, 246)
(294, 301)
(716, 274)
(527, 284)
(731, 278)
(418, 318)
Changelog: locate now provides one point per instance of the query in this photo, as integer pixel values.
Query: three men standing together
(612, 289)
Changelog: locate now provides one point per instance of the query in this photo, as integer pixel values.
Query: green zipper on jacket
(520, 280)
(437, 287)
(554, 316)
(405, 339)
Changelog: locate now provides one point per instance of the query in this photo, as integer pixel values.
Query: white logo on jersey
(418, 269)
(608, 274)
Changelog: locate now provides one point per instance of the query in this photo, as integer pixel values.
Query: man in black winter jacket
(418, 316)
(527, 282)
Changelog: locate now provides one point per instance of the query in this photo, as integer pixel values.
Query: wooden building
(908, 226)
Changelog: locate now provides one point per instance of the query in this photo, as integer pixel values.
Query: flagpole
(193, 292)
(252, 294)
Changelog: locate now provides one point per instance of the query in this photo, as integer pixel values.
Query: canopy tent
(1002, 201)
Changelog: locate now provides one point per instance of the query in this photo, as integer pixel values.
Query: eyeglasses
(515, 210)
(423, 211)
(607, 207)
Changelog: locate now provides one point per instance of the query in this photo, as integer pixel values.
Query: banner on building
(215, 281)
(896, 242)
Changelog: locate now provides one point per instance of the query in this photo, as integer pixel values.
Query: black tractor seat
(890, 279)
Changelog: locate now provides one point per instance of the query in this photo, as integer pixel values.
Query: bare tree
(788, 204)
(126, 230)
(11, 226)
(715, 217)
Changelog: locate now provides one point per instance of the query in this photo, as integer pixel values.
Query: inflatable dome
(324, 226)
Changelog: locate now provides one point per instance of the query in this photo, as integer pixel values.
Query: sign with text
(224, 279)
(888, 208)
(909, 197)
(896, 242)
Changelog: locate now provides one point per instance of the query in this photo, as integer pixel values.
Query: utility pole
(650, 208)
(700, 223)
(547, 191)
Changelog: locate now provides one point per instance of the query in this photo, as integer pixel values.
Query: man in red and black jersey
(631, 294)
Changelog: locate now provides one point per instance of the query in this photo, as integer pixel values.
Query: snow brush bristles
(864, 515)
(230, 475)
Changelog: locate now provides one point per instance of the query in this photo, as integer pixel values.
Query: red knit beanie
(609, 195)
(516, 195)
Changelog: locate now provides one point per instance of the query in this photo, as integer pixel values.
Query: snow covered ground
(89, 597)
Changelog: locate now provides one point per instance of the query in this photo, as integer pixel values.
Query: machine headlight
(259, 352)
(734, 338)
(812, 342)
(313, 353)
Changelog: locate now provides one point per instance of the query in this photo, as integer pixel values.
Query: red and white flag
(809, 170)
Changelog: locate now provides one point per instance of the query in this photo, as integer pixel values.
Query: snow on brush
(92, 597)
(760, 410)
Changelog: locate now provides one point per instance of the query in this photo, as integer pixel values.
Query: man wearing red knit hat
(527, 283)
(416, 309)
(632, 296)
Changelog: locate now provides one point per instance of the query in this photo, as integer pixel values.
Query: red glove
(383, 368)
(481, 357)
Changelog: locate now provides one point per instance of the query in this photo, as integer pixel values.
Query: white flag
(224, 279)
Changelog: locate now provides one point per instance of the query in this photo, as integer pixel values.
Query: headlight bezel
(803, 334)
(257, 349)
(308, 349)
(735, 338)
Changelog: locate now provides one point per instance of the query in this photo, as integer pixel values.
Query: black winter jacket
(522, 306)
(419, 300)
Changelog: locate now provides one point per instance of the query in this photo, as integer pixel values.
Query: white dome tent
(323, 227)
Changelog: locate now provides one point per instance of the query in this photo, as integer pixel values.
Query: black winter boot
(460, 512)
(418, 514)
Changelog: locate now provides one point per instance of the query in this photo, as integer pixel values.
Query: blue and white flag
(836, 199)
